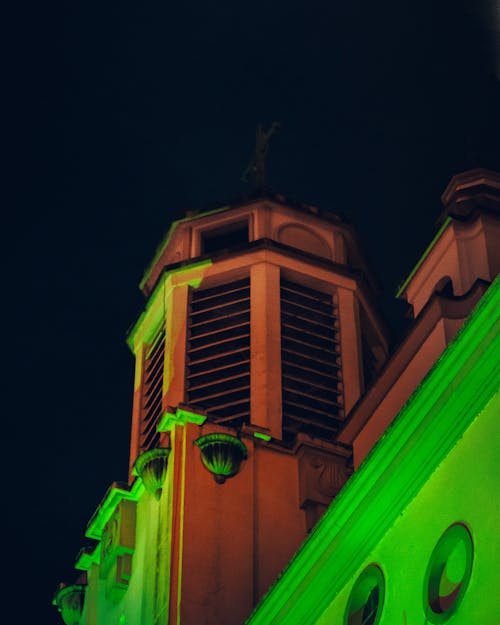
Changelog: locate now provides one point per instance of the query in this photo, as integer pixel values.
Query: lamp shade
(151, 466)
(69, 601)
(221, 454)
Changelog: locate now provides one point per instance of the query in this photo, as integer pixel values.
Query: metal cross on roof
(256, 170)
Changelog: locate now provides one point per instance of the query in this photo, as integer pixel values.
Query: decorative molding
(163, 245)
(190, 274)
(179, 416)
(321, 477)
(117, 492)
(305, 238)
(86, 557)
(402, 287)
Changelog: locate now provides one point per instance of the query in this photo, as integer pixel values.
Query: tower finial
(256, 170)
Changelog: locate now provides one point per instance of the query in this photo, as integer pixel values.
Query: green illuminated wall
(146, 599)
(436, 465)
(462, 489)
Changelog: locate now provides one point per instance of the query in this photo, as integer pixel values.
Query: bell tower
(258, 336)
(262, 378)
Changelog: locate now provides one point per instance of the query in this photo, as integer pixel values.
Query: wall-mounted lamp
(151, 467)
(221, 454)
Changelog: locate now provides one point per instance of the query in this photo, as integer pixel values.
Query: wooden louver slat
(152, 393)
(218, 352)
(310, 356)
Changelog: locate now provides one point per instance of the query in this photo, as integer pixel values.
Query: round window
(448, 573)
(366, 599)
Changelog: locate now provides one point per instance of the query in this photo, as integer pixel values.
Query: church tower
(259, 334)
(262, 381)
(258, 337)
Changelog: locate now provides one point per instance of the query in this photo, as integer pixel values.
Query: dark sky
(126, 114)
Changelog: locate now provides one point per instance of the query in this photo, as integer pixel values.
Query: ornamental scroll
(321, 477)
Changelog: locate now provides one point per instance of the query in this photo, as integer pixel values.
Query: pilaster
(350, 347)
(265, 348)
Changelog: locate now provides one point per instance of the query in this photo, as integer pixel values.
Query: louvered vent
(218, 354)
(310, 362)
(152, 392)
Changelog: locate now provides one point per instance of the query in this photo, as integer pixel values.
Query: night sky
(125, 115)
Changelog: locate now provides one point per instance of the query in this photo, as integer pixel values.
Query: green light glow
(112, 498)
(86, 558)
(181, 525)
(161, 248)
(264, 437)
(149, 320)
(459, 386)
(181, 416)
(423, 257)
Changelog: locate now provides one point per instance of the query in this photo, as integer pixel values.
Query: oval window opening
(448, 572)
(365, 601)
